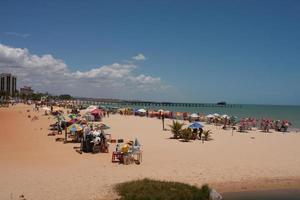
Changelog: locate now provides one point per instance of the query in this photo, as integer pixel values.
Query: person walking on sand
(163, 121)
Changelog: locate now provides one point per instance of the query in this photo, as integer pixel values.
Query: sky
(161, 50)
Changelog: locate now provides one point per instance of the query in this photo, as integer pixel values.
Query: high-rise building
(26, 90)
(8, 84)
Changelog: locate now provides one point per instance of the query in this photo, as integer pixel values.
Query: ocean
(275, 112)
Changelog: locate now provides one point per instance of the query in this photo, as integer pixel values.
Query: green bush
(176, 129)
(147, 189)
(207, 135)
(186, 134)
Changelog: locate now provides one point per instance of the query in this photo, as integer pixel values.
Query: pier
(148, 104)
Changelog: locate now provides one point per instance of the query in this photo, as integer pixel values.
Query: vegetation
(38, 96)
(146, 189)
(207, 135)
(176, 129)
(65, 97)
(186, 134)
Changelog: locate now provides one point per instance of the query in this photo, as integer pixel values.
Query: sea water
(274, 112)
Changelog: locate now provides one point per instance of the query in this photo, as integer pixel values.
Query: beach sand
(38, 167)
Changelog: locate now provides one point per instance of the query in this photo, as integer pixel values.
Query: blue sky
(196, 51)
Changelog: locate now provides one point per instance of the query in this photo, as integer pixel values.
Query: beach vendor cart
(128, 153)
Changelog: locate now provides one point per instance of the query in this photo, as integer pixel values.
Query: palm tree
(186, 134)
(176, 129)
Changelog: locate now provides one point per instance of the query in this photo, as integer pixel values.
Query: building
(8, 84)
(26, 91)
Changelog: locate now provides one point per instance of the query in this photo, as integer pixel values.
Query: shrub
(207, 135)
(147, 189)
(186, 134)
(176, 129)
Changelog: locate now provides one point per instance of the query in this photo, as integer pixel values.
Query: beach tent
(196, 125)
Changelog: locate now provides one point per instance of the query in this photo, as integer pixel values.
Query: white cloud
(46, 73)
(139, 57)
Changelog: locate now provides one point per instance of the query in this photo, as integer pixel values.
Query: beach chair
(117, 157)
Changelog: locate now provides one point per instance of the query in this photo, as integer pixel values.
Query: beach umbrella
(46, 108)
(91, 108)
(210, 116)
(96, 111)
(72, 121)
(74, 128)
(194, 115)
(195, 125)
(141, 110)
(103, 126)
(233, 117)
(136, 142)
(160, 110)
(225, 116)
(216, 115)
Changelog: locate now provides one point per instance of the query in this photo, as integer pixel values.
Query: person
(200, 133)
(118, 149)
(51, 109)
(163, 121)
(59, 129)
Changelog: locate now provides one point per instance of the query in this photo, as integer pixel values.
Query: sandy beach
(38, 167)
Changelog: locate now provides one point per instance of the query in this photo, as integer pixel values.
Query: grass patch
(147, 189)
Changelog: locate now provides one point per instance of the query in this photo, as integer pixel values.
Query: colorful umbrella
(74, 128)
